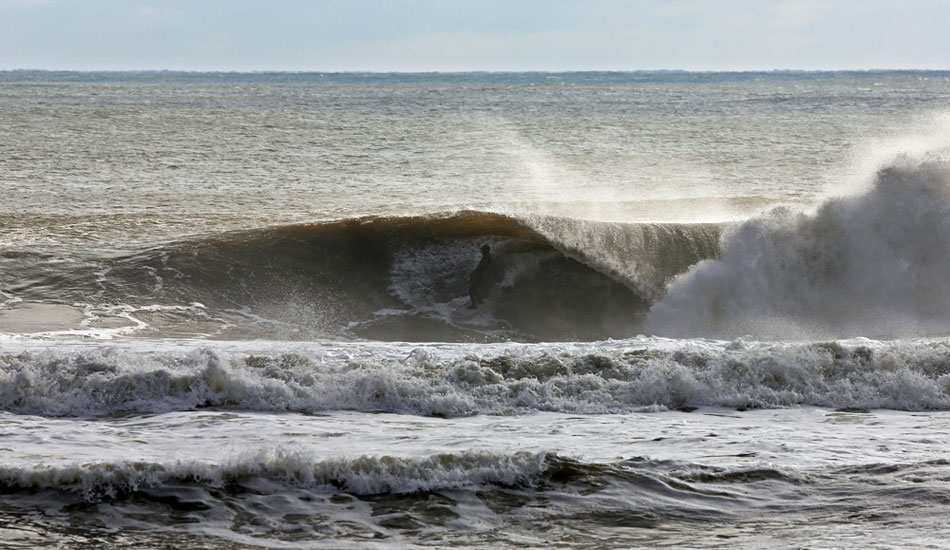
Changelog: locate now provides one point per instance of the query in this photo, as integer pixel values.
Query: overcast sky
(469, 35)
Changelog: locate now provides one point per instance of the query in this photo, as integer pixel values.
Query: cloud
(20, 4)
(799, 13)
(156, 13)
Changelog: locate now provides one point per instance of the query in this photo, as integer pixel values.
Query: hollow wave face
(381, 278)
(874, 264)
(402, 279)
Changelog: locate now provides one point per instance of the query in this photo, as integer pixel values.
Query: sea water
(718, 312)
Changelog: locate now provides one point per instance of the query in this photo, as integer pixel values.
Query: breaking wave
(384, 278)
(462, 380)
(367, 475)
(874, 264)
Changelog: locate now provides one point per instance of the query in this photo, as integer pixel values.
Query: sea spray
(873, 264)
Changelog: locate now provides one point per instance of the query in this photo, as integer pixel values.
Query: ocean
(234, 310)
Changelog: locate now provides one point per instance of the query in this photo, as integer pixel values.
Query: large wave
(398, 278)
(873, 264)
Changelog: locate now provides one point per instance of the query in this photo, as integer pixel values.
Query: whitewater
(718, 311)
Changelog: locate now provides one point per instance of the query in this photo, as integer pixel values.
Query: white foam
(8, 299)
(433, 280)
(108, 322)
(364, 475)
(873, 264)
(459, 380)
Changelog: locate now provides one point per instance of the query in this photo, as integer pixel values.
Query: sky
(474, 35)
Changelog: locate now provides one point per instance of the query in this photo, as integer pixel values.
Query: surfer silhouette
(478, 279)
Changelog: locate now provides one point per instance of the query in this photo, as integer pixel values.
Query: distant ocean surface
(233, 310)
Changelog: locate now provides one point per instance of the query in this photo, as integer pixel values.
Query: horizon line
(473, 71)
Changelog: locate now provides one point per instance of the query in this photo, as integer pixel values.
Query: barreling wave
(463, 380)
(871, 264)
(396, 278)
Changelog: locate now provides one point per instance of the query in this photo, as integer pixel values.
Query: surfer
(478, 278)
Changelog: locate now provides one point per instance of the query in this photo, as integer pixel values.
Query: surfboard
(466, 312)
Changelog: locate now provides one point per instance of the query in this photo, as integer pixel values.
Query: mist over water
(871, 264)
(233, 310)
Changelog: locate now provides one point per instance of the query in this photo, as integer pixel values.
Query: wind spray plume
(873, 264)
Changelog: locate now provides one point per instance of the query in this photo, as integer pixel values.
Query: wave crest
(398, 278)
(456, 381)
(365, 475)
